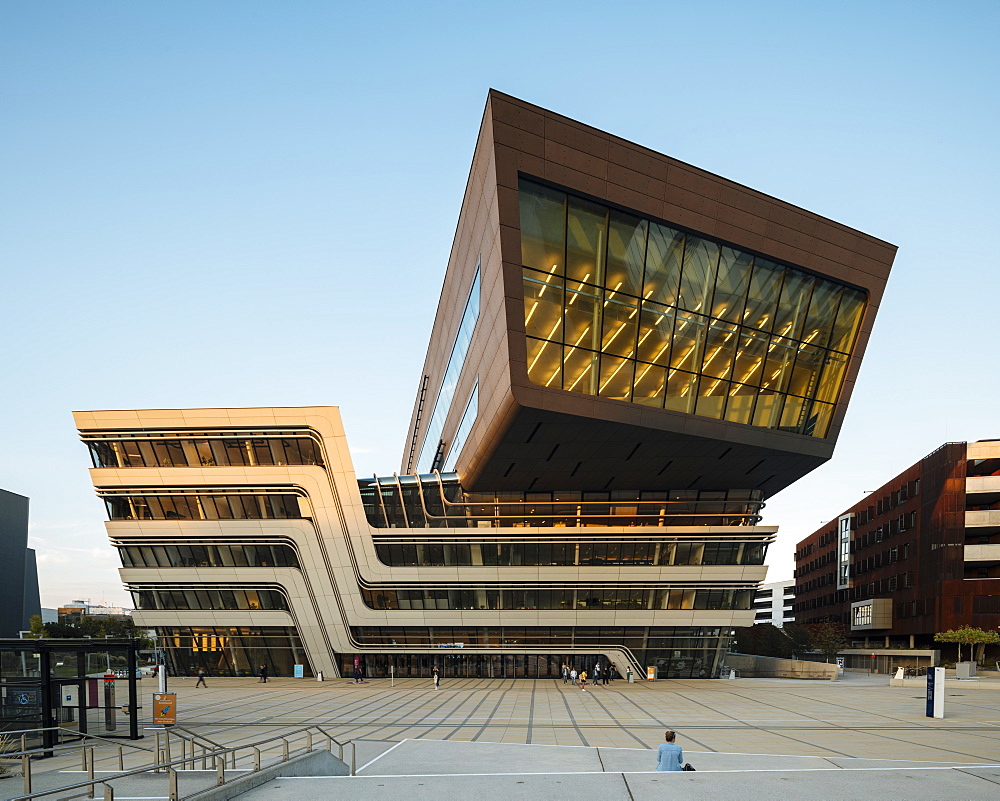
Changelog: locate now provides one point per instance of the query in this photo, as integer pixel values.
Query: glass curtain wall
(563, 598)
(504, 554)
(276, 506)
(208, 555)
(677, 652)
(634, 310)
(204, 452)
(233, 650)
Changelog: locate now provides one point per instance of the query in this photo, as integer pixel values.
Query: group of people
(602, 674)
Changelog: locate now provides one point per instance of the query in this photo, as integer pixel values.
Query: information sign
(935, 692)
(70, 695)
(299, 672)
(165, 708)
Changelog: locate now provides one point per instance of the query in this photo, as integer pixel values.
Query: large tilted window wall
(204, 452)
(232, 650)
(208, 555)
(583, 598)
(634, 310)
(203, 506)
(221, 598)
(431, 453)
(677, 652)
(663, 552)
(439, 501)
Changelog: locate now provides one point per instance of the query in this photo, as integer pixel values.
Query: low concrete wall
(761, 667)
(318, 763)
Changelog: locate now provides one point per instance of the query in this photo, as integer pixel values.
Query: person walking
(357, 672)
(611, 672)
(583, 680)
(597, 674)
(201, 678)
(263, 674)
(437, 677)
(565, 673)
(606, 674)
(572, 676)
(670, 756)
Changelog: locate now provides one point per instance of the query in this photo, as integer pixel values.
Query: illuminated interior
(633, 310)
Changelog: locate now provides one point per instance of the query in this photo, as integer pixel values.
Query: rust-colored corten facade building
(919, 555)
(629, 356)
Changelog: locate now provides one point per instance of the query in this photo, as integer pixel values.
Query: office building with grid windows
(629, 356)
(919, 555)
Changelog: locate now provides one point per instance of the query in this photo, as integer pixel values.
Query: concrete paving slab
(605, 786)
(832, 785)
(417, 757)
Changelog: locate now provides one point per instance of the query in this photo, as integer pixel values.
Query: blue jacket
(670, 757)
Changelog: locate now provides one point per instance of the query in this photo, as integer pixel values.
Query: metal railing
(164, 763)
(86, 750)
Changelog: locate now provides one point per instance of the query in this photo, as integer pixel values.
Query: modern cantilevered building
(630, 355)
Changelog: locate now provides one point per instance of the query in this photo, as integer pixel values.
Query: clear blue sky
(252, 203)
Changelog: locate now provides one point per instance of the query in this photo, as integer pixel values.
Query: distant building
(76, 611)
(18, 574)
(919, 555)
(773, 603)
(50, 615)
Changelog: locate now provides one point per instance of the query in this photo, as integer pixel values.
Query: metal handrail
(218, 756)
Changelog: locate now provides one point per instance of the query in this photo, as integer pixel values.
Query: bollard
(156, 750)
(172, 786)
(319, 676)
(309, 742)
(284, 750)
(121, 759)
(90, 773)
(220, 771)
(26, 772)
(354, 760)
(109, 793)
(256, 759)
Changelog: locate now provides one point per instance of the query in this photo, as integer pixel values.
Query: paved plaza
(748, 738)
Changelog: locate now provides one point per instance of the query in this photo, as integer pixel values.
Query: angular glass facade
(431, 452)
(233, 650)
(633, 310)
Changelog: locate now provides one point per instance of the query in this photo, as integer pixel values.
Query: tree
(967, 635)
(37, 627)
(799, 638)
(828, 638)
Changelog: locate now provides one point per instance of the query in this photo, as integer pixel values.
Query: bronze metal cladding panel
(628, 444)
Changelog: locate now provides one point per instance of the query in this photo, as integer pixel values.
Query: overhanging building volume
(630, 355)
